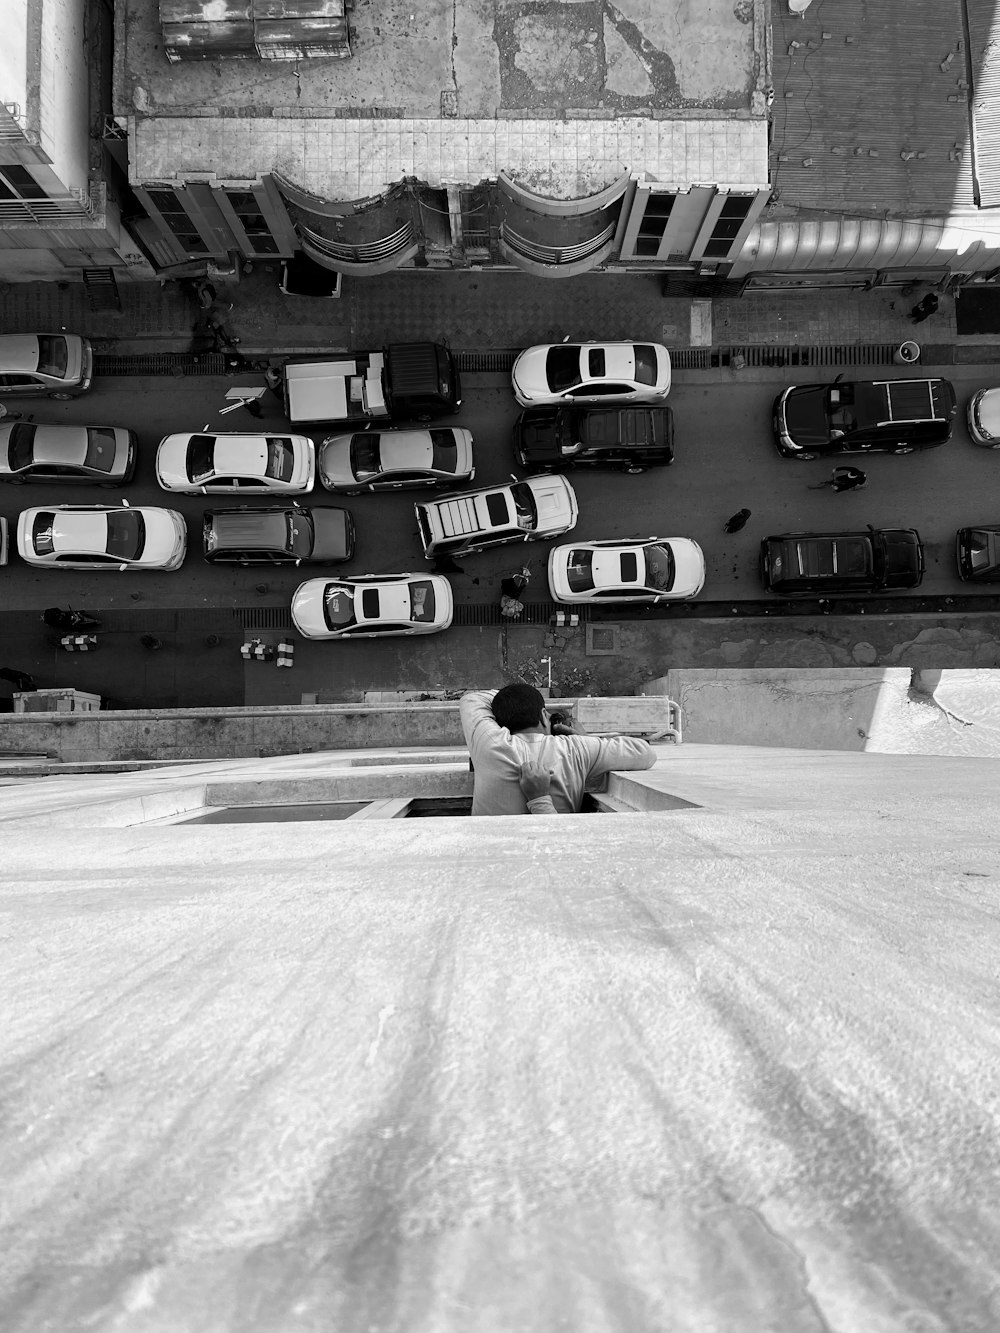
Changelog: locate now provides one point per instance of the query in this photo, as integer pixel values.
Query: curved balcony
(547, 260)
(367, 258)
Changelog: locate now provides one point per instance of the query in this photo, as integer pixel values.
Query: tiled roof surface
(355, 159)
(984, 48)
(868, 81)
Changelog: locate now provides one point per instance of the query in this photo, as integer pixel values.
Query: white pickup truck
(406, 381)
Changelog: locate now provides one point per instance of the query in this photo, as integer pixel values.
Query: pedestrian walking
(738, 520)
(924, 309)
(19, 679)
(843, 479)
(275, 382)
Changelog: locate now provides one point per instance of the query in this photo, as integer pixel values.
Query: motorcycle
(69, 621)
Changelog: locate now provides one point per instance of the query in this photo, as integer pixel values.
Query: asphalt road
(725, 461)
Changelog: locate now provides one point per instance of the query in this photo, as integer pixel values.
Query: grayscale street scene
(507, 414)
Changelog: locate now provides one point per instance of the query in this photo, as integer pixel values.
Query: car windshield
(645, 364)
(280, 458)
(444, 451)
(19, 449)
(840, 408)
(301, 533)
(201, 457)
(100, 449)
(126, 534)
(338, 606)
(659, 568)
(41, 532)
(562, 366)
(524, 505)
(53, 355)
(579, 571)
(422, 600)
(365, 459)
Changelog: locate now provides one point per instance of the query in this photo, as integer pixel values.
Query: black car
(978, 553)
(807, 564)
(860, 416)
(630, 439)
(278, 535)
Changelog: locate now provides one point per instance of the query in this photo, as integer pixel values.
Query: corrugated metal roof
(868, 81)
(984, 49)
(254, 29)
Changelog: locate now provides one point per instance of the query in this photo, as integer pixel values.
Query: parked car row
(123, 537)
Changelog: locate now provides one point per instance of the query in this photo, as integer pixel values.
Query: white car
(390, 460)
(58, 364)
(221, 464)
(101, 537)
(657, 569)
(984, 417)
(627, 372)
(90, 455)
(372, 606)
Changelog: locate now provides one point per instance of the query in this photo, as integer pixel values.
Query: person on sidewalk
(843, 479)
(738, 520)
(511, 588)
(924, 309)
(506, 729)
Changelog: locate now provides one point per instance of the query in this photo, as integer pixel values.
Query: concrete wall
(729, 1067)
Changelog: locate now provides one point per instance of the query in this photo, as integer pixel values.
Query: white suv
(520, 511)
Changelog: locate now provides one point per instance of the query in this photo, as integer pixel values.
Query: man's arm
(479, 726)
(608, 753)
(535, 782)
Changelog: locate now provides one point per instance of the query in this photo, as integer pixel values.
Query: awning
(254, 29)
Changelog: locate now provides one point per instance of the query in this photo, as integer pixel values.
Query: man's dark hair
(518, 707)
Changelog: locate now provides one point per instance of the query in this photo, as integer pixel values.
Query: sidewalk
(473, 311)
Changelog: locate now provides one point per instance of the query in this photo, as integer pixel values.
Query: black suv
(630, 439)
(805, 564)
(860, 416)
(278, 535)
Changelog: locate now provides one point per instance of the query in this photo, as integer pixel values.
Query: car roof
(18, 352)
(236, 529)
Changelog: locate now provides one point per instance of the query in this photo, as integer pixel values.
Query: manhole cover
(602, 640)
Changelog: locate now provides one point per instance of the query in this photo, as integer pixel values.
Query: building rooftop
(871, 106)
(565, 97)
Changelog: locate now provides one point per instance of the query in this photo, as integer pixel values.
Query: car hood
(903, 558)
(689, 567)
(528, 371)
(555, 501)
(805, 415)
(307, 605)
(988, 411)
(332, 534)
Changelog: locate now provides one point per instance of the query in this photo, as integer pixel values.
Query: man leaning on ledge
(511, 734)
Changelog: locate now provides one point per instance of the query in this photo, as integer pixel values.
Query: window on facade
(653, 225)
(170, 209)
(246, 206)
(18, 183)
(727, 226)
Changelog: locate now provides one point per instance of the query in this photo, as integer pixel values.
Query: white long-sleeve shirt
(497, 757)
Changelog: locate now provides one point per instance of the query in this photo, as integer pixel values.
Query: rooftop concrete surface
(729, 1067)
(565, 97)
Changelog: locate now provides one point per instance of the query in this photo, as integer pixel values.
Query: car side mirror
(122, 569)
(126, 504)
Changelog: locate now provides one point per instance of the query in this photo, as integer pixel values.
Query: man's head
(519, 708)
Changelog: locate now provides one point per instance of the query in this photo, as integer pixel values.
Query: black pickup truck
(629, 439)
